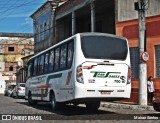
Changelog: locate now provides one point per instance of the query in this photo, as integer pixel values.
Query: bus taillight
(79, 74)
(129, 76)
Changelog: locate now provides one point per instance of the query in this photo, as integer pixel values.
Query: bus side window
(42, 64)
(63, 56)
(51, 60)
(38, 64)
(29, 72)
(70, 54)
(46, 62)
(35, 67)
(57, 59)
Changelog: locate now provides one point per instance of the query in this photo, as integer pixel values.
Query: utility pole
(140, 6)
(92, 4)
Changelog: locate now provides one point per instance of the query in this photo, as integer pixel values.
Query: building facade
(13, 46)
(44, 25)
(77, 16)
(57, 20)
(21, 72)
(127, 26)
(116, 17)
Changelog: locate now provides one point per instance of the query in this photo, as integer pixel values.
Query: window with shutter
(157, 53)
(134, 55)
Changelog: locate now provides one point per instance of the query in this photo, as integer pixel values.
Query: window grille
(134, 55)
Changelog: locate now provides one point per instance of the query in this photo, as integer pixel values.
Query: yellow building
(13, 46)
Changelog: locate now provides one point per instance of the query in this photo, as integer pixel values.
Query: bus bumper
(103, 93)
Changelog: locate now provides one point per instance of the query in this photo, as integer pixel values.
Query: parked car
(19, 90)
(156, 103)
(8, 90)
(14, 93)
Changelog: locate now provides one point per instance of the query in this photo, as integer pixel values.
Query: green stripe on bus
(54, 77)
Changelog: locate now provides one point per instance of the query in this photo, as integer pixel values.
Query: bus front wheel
(93, 105)
(30, 101)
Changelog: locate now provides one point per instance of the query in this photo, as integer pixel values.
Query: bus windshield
(103, 47)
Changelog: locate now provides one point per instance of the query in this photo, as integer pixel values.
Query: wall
(10, 77)
(23, 45)
(2, 87)
(129, 29)
(7, 76)
(104, 17)
(9, 58)
(125, 9)
(2, 65)
(64, 29)
(69, 6)
(43, 27)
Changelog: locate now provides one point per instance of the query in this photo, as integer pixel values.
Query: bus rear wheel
(93, 105)
(55, 105)
(30, 101)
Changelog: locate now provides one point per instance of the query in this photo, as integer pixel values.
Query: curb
(126, 106)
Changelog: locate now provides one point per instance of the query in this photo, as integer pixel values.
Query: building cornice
(4, 34)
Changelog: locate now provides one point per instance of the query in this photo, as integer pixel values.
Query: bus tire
(75, 103)
(55, 105)
(156, 107)
(93, 106)
(30, 101)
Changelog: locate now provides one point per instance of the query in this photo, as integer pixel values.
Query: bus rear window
(103, 47)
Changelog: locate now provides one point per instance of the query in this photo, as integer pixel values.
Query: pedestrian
(150, 85)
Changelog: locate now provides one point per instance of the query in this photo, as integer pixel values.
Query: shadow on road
(71, 112)
(66, 110)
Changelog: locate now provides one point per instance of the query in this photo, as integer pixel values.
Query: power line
(146, 5)
(6, 2)
(33, 4)
(13, 9)
(14, 6)
(27, 29)
(46, 30)
(3, 12)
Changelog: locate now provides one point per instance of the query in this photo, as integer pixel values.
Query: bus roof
(81, 34)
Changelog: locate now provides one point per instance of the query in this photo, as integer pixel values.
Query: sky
(15, 15)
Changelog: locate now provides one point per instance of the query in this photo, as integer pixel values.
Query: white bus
(85, 68)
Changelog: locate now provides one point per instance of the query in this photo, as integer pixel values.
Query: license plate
(91, 81)
(106, 92)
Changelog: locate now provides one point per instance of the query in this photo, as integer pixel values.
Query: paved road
(20, 107)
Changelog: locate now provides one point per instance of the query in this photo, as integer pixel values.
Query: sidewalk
(120, 105)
